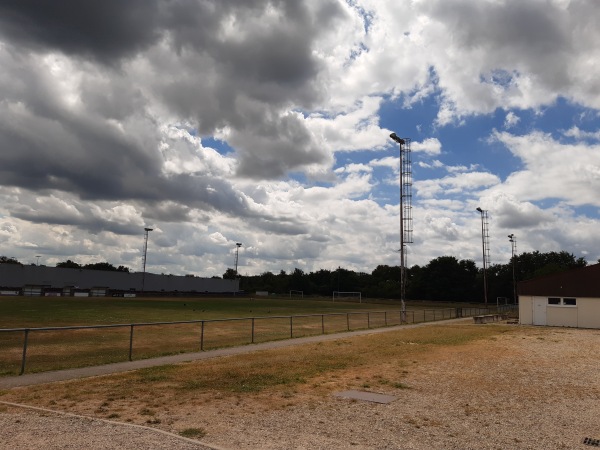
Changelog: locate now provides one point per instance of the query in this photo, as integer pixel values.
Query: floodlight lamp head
(395, 137)
(479, 209)
(148, 229)
(511, 236)
(239, 244)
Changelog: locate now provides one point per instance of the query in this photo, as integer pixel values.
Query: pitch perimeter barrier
(56, 348)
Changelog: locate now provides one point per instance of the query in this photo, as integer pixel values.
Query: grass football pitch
(258, 320)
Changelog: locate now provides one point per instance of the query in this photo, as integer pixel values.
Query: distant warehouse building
(566, 299)
(40, 280)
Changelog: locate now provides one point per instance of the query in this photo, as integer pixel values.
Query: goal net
(296, 294)
(347, 296)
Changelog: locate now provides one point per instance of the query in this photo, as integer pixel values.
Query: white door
(539, 310)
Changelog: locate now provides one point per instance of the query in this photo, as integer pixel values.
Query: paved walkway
(83, 372)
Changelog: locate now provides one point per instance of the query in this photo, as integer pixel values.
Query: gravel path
(534, 388)
(32, 430)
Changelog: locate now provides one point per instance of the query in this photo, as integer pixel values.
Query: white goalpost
(295, 293)
(351, 295)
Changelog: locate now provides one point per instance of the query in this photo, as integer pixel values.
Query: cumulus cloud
(212, 120)
(430, 146)
(552, 169)
(513, 214)
(455, 184)
(511, 120)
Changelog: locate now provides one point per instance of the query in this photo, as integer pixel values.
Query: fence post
(322, 324)
(253, 330)
(368, 319)
(25, 339)
(385, 317)
(202, 336)
(130, 342)
(348, 321)
(291, 327)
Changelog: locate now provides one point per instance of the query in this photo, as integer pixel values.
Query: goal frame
(296, 292)
(340, 294)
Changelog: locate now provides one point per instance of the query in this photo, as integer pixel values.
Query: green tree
(321, 282)
(384, 282)
(8, 260)
(533, 264)
(298, 281)
(447, 279)
(230, 274)
(68, 264)
(101, 266)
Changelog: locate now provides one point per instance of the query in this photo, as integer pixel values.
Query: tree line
(68, 264)
(443, 279)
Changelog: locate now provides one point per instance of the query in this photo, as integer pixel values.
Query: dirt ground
(530, 388)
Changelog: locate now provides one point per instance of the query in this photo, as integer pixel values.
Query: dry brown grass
(64, 349)
(458, 386)
(170, 397)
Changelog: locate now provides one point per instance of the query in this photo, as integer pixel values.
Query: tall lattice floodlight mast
(406, 222)
(237, 256)
(513, 244)
(485, 244)
(146, 230)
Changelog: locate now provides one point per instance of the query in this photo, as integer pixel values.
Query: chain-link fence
(55, 348)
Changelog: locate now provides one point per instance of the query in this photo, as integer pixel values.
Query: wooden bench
(487, 318)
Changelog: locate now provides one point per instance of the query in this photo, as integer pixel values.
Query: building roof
(19, 276)
(580, 282)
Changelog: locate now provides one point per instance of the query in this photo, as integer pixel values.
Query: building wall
(562, 316)
(526, 309)
(17, 276)
(589, 313)
(585, 315)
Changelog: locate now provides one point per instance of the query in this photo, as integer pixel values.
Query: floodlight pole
(485, 252)
(146, 230)
(38, 259)
(237, 256)
(513, 244)
(404, 173)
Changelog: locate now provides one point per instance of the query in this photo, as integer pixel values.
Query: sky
(267, 123)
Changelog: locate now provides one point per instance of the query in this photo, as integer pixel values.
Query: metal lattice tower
(486, 240)
(237, 256)
(406, 229)
(406, 191)
(513, 245)
(146, 230)
(485, 245)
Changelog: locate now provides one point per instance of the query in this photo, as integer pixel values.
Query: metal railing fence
(78, 346)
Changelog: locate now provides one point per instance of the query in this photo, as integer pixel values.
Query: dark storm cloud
(88, 222)
(102, 30)
(250, 75)
(528, 33)
(283, 225)
(84, 86)
(75, 155)
(277, 146)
